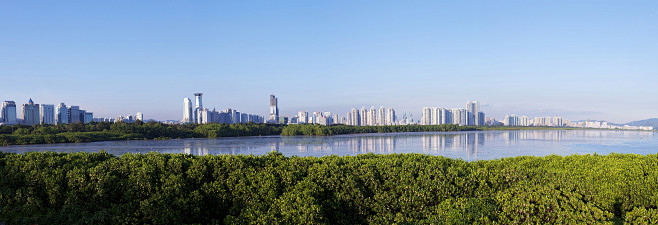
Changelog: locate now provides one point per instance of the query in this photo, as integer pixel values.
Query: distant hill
(653, 122)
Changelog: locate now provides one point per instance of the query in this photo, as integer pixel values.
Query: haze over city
(579, 60)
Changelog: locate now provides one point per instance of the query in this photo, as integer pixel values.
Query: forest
(153, 188)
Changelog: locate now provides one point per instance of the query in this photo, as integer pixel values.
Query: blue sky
(576, 59)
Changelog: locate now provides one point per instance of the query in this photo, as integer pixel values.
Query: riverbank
(60, 188)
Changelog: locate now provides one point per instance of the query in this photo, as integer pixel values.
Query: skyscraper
(187, 111)
(30, 113)
(274, 109)
(355, 117)
(61, 114)
(426, 118)
(364, 116)
(390, 116)
(74, 114)
(372, 116)
(474, 108)
(88, 117)
(199, 107)
(47, 114)
(381, 116)
(140, 116)
(8, 112)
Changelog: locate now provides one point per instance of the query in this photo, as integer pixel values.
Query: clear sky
(576, 59)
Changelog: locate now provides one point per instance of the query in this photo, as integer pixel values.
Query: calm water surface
(475, 145)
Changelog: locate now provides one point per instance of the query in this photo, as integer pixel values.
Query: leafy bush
(98, 188)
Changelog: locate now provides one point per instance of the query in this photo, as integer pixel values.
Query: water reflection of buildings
(435, 143)
(453, 144)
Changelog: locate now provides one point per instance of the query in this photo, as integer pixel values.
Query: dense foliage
(305, 129)
(98, 188)
(71, 133)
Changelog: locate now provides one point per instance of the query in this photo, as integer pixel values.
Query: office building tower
(88, 117)
(140, 116)
(47, 114)
(74, 114)
(8, 112)
(61, 114)
(274, 109)
(187, 111)
(198, 108)
(480, 118)
(30, 113)
(390, 116)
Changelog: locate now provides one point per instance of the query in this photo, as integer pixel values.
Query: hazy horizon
(578, 60)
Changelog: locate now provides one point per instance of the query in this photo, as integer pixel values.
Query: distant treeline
(99, 188)
(104, 131)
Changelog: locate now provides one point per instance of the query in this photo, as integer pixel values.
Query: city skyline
(579, 60)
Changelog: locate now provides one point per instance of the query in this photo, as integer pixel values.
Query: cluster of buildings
(197, 114)
(322, 118)
(34, 114)
(471, 116)
(125, 119)
(372, 117)
(605, 125)
(524, 121)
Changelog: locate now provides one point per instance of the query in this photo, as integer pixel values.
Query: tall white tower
(274, 109)
(187, 111)
(199, 107)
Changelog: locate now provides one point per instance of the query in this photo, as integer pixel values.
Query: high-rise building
(140, 116)
(426, 117)
(390, 116)
(381, 116)
(88, 117)
(198, 108)
(47, 114)
(61, 114)
(302, 117)
(8, 112)
(187, 111)
(355, 117)
(30, 113)
(473, 107)
(274, 109)
(524, 121)
(74, 114)
(235, 116)
(372, 116)
(511, 120)
(480, 118)
(364, 116)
